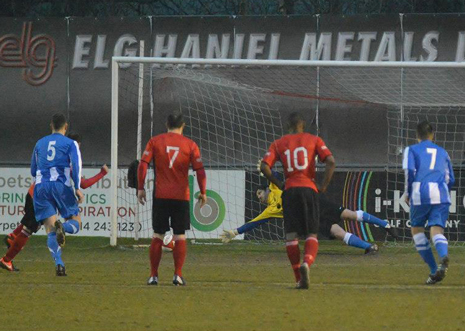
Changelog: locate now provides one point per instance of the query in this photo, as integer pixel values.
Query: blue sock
(352, 240)
(363, 216)
(424, 249)
(441, 244)
(71, 226)
(54, 248)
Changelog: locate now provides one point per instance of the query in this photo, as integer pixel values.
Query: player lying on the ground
(330, 215)
(16, 240)
(428, 179)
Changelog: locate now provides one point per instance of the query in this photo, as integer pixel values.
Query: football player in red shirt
(172, 154)
(297, 151)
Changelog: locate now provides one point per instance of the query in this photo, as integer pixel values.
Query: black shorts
(330, 213)
(29, 218)
(168, 213)
(301, 211)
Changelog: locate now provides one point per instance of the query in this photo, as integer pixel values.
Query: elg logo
(27, 51)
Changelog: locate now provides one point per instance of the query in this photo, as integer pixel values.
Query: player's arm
(325, 156)
(451, 173)
(147, 156)
(88, 182)
(408, 164)
(197, 165)
(76, 173)
(267, 163)
(34, 162)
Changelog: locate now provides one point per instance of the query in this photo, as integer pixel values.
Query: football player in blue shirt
(428, 180)
(56, 165)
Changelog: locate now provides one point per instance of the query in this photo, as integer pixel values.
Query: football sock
(424, 249)
(54, 248)
(71, 226)
(365, 217)
(155, 256)
(293, 253)
(179, 255)
(311, 250)
(354, 241)
(18, 230)
(441, 244)
(18, 244)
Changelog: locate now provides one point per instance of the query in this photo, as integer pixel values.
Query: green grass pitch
(234, 287)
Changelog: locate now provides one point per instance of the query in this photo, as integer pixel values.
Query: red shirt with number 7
(297, 154)
(172, 154)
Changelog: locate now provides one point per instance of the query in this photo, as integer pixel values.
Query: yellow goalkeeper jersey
(275, 205)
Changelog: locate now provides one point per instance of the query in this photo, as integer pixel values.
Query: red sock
(17, 246)
(311, 249)
(155, 256)
(293, 253)
(18, 230)
(179, 255)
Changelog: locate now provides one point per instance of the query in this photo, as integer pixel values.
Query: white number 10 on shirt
(296, 159)
(175, 155)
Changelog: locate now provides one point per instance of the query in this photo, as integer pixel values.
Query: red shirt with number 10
(172, 154)
(297, 154)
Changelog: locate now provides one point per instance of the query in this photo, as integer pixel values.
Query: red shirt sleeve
(147, 155)
(321, 149)
(88, 182)
(271, 156)
(196, 159)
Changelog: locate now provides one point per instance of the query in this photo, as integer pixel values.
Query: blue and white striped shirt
(57, 158)
(428, 174)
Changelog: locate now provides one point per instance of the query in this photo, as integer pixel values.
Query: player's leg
(53, 246)
(180, 222)
(291, 226)
(362, 216)
(418, 217)
(437, 220)
(352, 240)
(9, 238)
(309, 229)
(73, 224)
(160, 224)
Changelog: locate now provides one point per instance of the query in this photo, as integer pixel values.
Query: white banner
(225, 207)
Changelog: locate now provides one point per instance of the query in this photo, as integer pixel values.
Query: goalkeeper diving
(330, 215)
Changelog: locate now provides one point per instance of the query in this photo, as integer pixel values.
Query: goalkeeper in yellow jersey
(330, 215)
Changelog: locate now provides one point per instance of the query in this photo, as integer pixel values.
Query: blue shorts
(52, 196)
(436, 215)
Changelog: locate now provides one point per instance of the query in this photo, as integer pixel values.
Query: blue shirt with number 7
(428, 174)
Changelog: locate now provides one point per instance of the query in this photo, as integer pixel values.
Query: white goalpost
(233, 110)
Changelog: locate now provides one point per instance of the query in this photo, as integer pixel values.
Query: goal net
(234, 110)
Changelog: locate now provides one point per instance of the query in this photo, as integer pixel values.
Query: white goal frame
(116, 60)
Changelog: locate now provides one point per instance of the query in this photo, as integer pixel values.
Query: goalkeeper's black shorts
(172, 213)
(330, 213)
(301, 211)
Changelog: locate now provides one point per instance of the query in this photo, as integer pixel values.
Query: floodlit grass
(234, 287)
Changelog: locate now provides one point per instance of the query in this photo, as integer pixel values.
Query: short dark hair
(74, 136)
(58, 121)
(294, 119)
(424, 129)
(175, 121)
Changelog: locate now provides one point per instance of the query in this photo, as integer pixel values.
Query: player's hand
(202, 199)
(105, 168)
(80, 196)
(321, 189)
(406, 199)
(227, 236)
(259, 163)
(142, 197)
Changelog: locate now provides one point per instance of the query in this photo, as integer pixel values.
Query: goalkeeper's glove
(259, 163)
(228, 235)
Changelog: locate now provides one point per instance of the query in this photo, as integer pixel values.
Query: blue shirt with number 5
(57, 158)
